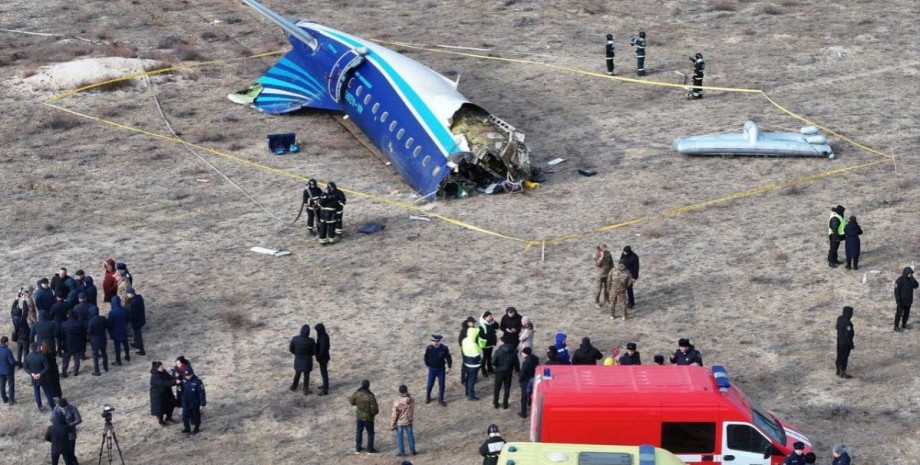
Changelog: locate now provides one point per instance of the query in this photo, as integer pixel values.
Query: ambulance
(532, 453)
(694, 412)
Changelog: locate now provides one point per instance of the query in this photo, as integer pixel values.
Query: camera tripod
(108, 437)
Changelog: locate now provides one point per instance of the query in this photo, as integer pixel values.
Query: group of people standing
(325, 210)
(190, 394)
(615, 281)
(846, 231)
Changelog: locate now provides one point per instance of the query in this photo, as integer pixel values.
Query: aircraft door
(340, 71)
(742, 444)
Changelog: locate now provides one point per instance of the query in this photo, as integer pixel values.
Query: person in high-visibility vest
(472, 360)
(835, 234)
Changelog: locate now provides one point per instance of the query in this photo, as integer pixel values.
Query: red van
(694, 412)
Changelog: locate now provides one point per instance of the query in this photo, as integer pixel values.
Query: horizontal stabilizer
(288, 86)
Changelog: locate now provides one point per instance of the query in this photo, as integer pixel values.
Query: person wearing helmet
(640, 43)
(311, 196)
(339, 197)
(327, 209)
(698, 67)
(492, 447)
(610, 51)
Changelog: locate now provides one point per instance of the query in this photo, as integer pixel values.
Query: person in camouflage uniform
(619, 280)
(366, 409)
(603, 263)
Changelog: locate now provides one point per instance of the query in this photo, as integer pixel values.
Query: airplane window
(409, 142)
(367, 99)
(417, 151)
(375, 108)
(400, 134)
(393, 126)
(384, 116)
(436, 170)
(426, 160)
(359, 91)
(351, 82)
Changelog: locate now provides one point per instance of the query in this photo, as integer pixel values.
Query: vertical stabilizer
(285, 24)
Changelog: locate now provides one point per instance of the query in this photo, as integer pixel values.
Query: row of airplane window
(393, 124)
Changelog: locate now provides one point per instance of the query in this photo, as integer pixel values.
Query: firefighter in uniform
(311, 197)
(640, 44)
(327, 205)
(610, 51)
(698, 67)
(339, 197)
(835, 234)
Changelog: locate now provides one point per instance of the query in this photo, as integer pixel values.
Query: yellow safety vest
(470, 344)
(840, 227)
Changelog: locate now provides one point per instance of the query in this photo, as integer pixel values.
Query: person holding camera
(193, 401)
(640, 43)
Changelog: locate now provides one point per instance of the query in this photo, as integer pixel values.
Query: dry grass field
(744, 279)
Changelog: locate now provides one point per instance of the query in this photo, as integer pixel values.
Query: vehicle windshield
(768, 424)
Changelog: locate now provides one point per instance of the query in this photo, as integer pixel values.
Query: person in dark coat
(193, 401)
(631, 260)
(74, 342)
(303, 348)
(58, 434)
(138, 315)
(311, 196)
(89, 288)
(610, 52)
(95, 330)
(631, 357)
(322, 356)
(7, 372)
(59, 316)
(37, 367)
(21, 332)
(60, 283)
(686, 354)
(845, 336)
(904, 297)
(506, 364)
(841, 456)
(44, 296)
(438, 361)
(797, 457)
(487, 330)
(835, 234)
(492, 447)
(54, 373)
(45, 330)
(586, 354)
(162, 401)
(851, 233)
(525, 378)
(511, 325)
(552, 358)
(82, 308)
(178, 373)
(73, 419)
(118, 329)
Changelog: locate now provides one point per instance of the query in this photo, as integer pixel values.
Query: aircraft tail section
(289, 86)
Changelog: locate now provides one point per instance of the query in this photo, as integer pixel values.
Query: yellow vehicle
(536, 453)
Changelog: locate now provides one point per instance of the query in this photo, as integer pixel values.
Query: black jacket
(505, 359)
(487, 331)
(904, 288)
(74, 336)
(852, 232)
(627, 359)
(96, 328)
(45, 331)
(586, 353)
(845, 331)
(303, 349)
(528, 368)
(21, 328)
(490, 449)
(58, 434)
(631, 260)
(35, 363)
(90, 289)
(692, 356)
(437, 357)
(59, 311)
(138, 312)
(322, 343)
(514, 322)
(162, 401)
